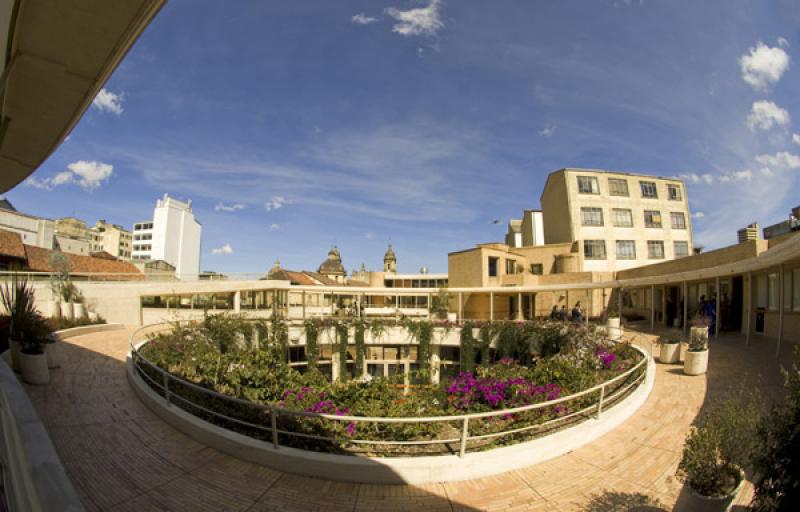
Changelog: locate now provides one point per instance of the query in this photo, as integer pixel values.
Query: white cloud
(547, 131)
(88, 175)
(225, 249)
(108, 101)
(796, 138)
(766, 171)
(363, 19)
(275, 203)
(763, 65)
(744, 175)
(422, 21)
(698, 215)
(222, 207)
(274, 227)
(766, 114)
(695, 178)
(783, 42)
(783, 160)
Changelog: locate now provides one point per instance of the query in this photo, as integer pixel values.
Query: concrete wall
(556, 210)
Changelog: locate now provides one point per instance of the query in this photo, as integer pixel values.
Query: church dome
(332, 264)
(389, 256)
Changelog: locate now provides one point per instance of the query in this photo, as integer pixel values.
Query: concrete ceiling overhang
(58, 54)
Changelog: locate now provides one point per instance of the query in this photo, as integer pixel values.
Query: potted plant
(719, 446)
(78, 306)
(33, 357)
(696, 359)
(670, 349)
(18, 299)
(613, 317)
(68, 293)
(440, 303)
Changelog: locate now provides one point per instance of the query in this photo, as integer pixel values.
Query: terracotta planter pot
(696, 363)
(67, 311)
(78, 310)
(53, 352)
(670, 353)
(16, 349)
(34, 368)
(698, 503)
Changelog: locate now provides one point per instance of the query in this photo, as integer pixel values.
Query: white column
(748, 307)
(435, 365)
(335, 358)
(519, 306)
(652, 307)
(237, 301)
(461, 307)
(491, 306)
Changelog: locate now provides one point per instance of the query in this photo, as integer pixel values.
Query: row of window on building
(145, 236)
(619, 187)
(626, 249)
(143, 225)
(623, 218)
(768, 291)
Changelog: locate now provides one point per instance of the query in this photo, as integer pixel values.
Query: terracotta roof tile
(11, 245)
(39, 261)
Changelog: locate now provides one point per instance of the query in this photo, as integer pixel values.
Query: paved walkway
(121, 456)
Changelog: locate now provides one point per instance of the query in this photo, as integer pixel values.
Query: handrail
(275, 411)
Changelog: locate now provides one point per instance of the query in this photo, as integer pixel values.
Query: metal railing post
(600, 403)
(166, 387)
(464, 437)
(273, 420)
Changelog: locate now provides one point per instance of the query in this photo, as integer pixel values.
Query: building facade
(112, 239)
(173, 235)
(619, 220)
(527, 231)
(782, 228)
(72, 236)
(35, 231)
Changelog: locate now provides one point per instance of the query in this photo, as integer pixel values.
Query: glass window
(772, 292)
(652, 219)
(537, 269)
(511, 266)
(796, 289)
(674, 192)
(678, 220)
(680, 249)
(617, 187)
(655, 249)
(626, 250)
(594, 249)
(622, 217)
(493, 267)
(588, 185)
(648, 189)
(592, 216)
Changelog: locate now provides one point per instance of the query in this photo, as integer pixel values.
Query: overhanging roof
(58, 54)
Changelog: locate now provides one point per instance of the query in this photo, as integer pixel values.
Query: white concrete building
(172, 236)
(34, 230)
(111, 238)
(527, 231)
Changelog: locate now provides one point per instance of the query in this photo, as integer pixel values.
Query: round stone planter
(34, 368)
(67, 310)
(698, 503)
(53, 354)
(670, 353)
(16, 349)
(684, 350)
(613, 328)
(78, 310)
(54, 309)
(696, 363)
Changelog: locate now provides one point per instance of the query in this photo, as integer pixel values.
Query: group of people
(576, 315)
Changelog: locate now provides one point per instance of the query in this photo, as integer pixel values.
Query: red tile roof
(11, 245)
(39, 261)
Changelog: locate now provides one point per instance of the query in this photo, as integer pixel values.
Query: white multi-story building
(172, 236)
(34, 230)
(527, 231)
(619, 220)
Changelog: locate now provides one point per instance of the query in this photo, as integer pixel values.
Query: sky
(294, 126)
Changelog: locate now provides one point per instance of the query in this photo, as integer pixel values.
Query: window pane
(622, 217)
(652, 219)
(588, 185)
(674, 192)
(681, 249)
(594, 249)
(617, 187)
(493, 267)
(772, 295)
(648, 189)
(655, 249)
(626, 250)
(678, 220)
(592, 216)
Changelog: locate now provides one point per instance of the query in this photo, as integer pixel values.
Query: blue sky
(296, 125)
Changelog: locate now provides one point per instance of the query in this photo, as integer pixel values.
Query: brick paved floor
(122, 457)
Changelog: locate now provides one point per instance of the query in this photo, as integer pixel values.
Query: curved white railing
(166, 383)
